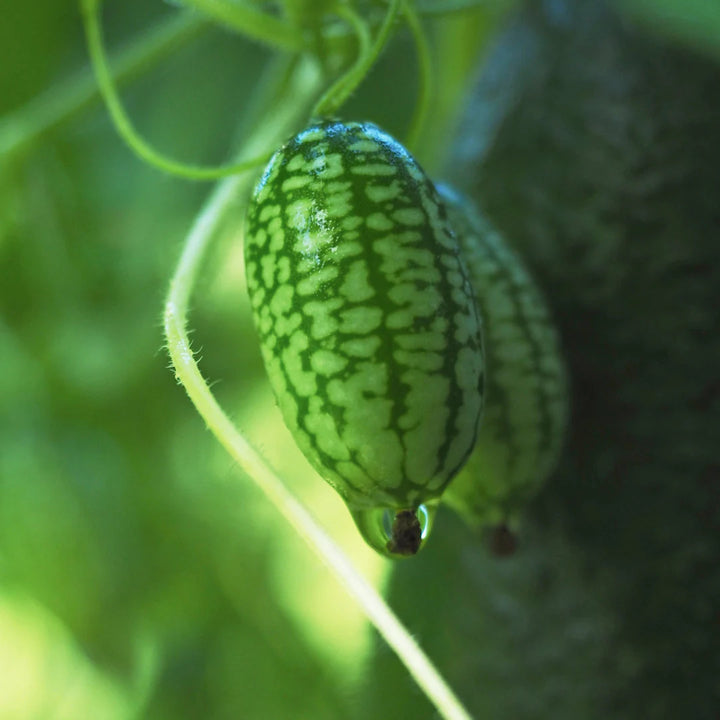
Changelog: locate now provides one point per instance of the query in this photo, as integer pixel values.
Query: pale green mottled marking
(312, 134)
(369, 377)
(309, 245)
(425, 301)
(425, 404)
(399, 319)
(294, 182)
(277, 241)
(282, 300)
(373, 169)
(271, 344)
(382, 193)
(339, 204)
(363, 347)
(268, 212)
(324, 322)
(360, 320)
(326, 362)
(287, 324)
(275, 226)
(409, 216)
(356, 286)
(353, 475)
(347, 249)
(396, 258)
(323, 426)
(258, 299)
(364, 146)
(450, 261)
(383, 458)
(379, 221)
(303, 381)
(261, 238)
(419, 176)
(463, 327)
(297, 164)
(351, 222)
(409, 237)
(313, 283)
(299, 214)
(283, 270)
(264, 320)
(329, 165)
(267, 265)
(337, 186)
(428, 361)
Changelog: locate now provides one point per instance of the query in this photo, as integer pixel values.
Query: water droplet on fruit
(396, 532)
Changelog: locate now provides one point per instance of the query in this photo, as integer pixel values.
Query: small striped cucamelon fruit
(526, 404)
(367, 324)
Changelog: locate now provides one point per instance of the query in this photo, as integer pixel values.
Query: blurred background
(142, 575)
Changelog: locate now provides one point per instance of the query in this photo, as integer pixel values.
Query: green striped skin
(526, 409)
(367, 323)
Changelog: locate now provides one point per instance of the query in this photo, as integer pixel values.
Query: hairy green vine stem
(279, 122)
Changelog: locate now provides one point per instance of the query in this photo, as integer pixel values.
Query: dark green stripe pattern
(526, 410)
(367, 322)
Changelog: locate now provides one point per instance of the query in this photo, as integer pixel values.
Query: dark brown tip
(502, 541)
(406, 534)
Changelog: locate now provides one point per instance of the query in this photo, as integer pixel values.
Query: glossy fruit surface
(367, 322)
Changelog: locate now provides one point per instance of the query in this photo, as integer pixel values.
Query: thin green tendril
(63, 101)
(122, 122)
(252, 23)
(346, 85)
(427, 82)
(334, 96)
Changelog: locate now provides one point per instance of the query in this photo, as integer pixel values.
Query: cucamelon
(526, 408)
(367, 323)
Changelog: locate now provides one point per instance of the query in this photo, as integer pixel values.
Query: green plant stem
(20, 129)
(425, 91)
(123, 124)
(279, 122)
(252, 23)
(334, 95)
(341, 91)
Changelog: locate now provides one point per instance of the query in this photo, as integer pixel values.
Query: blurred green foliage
(142, 575)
